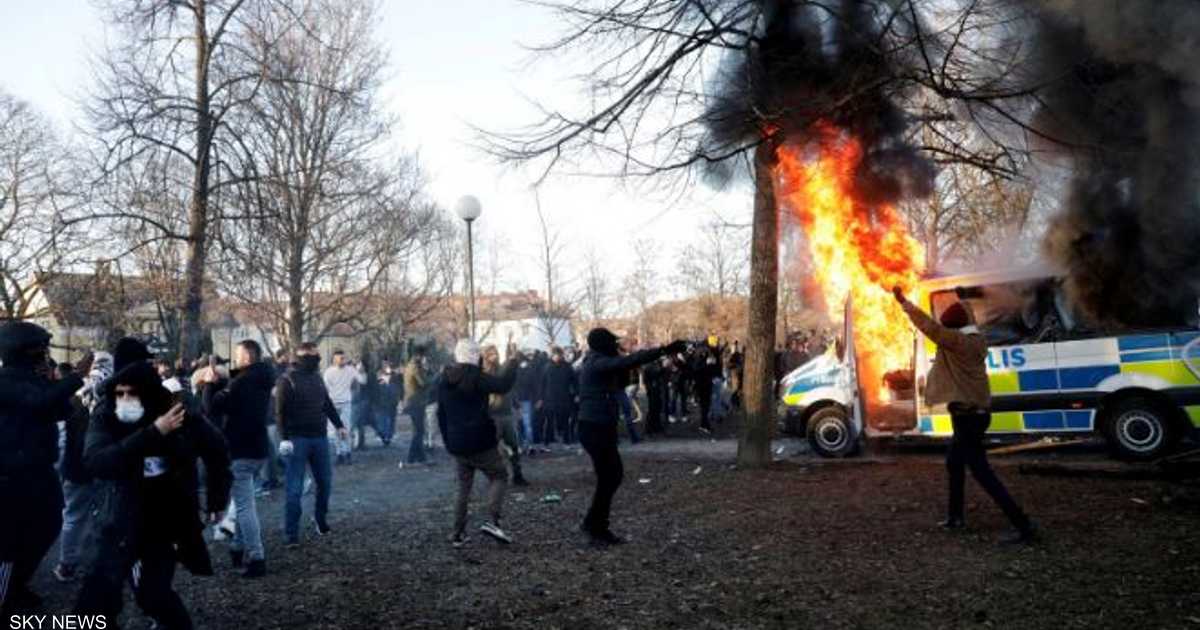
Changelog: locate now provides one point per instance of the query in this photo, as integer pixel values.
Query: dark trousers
(26, 535)
(654, 411)
(600, 442)
(551, 421)
(416, 448)
(150, 574)
(704, 399)
(966, 451)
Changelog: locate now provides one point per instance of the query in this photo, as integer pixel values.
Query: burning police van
(1049, 374)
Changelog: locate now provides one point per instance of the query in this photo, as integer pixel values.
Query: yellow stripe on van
(1193, 412)
(1004, 383)
(942, 425)
(1007, 422)
(1173, 372)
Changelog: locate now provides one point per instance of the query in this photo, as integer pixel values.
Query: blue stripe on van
(925, 425)
(1043, 420)
(1079, 419)
(1184, 338)
(1143, 342)
(1145, 355)
(1037, 380)
(1085, 377)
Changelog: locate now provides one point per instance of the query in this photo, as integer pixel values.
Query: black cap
(128, 351)
(17, 337)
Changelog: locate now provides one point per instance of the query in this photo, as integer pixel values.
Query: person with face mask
(30, 407)
(144, 447)
(302, 409)
(602, 375)
(239, 406)
(958, 379)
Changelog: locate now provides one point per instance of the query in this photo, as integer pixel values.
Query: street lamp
(468, 209)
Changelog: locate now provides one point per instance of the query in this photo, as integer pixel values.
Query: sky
(454, 64)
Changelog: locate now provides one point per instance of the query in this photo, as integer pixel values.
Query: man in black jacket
(30, 407)
(144, 448)
(470, 433)
(601, 376)
(558, 389)
(301, 407)
(239, 406)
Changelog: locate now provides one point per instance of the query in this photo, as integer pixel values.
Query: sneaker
(492, 529)
(459, 539)
(255, 569)
(64, 573)
(1021, 537)
(236, 558)
(954, 522)
(606, 538)
(322, 528)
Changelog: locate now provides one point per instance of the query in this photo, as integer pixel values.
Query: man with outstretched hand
(604, 372)
(959, 380)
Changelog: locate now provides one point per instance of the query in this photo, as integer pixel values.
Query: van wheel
(1139, 430)
(830, 433)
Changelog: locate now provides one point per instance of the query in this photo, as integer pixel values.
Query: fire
(857, 250)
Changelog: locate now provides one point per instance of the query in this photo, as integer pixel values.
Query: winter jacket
(302, 405)
(121, 457)
(601, 377)
(462, 406)
(387, 395)
(30, 408)
(959, 372)
(559, 387)
(239, 406)
(528, 381)
(414, 384)
(76, 427)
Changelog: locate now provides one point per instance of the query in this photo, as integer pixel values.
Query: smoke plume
(1122, 90)
(815, 64)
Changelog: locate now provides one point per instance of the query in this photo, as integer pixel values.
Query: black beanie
(129, 351)
(17, 338)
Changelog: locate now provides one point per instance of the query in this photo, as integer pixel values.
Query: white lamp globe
(468, 208)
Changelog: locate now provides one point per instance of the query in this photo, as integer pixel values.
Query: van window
(1009, 313)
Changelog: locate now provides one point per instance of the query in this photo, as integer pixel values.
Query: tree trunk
(197, 244)
(754, 441)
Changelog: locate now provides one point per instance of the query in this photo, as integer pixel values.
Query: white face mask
(129, 410)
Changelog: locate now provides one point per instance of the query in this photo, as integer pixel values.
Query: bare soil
(805, 544)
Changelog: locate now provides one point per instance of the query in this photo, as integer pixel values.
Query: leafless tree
(597, 292)
(558, 305)
(329, 216)
(641, 285)
(37, 189)
(167, 89)
(717, 263)
(683, 88)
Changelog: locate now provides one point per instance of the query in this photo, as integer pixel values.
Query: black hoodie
(462, 397)
(239, 407)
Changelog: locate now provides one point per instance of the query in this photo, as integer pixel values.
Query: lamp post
(468, 209)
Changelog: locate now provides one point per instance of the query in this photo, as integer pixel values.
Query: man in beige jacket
(959, 380)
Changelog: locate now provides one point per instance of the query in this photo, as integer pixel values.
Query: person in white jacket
(340, 379)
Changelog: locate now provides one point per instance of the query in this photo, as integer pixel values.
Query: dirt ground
(806, 544)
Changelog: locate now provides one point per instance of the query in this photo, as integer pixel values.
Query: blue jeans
(627, 413)
(79, 498)
(385, 424)
(527, 435)
(247, 534)
(314, 453)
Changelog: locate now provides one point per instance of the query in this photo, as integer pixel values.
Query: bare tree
(167, 90)
(713, 87)
(328, 215)
(717, 263)
(558, 305)
(596, 287)
(641, 285)
(37, 188)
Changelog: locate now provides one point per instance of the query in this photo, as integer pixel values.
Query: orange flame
(857, 250)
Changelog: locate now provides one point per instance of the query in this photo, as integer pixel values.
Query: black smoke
(1121, 91)
(832, 62)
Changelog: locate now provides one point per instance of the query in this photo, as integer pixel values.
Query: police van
(1049, 374)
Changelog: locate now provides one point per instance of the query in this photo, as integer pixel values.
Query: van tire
(1137, 429)
(831, 434)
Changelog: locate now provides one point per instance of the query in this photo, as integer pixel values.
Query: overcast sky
(454, 63)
